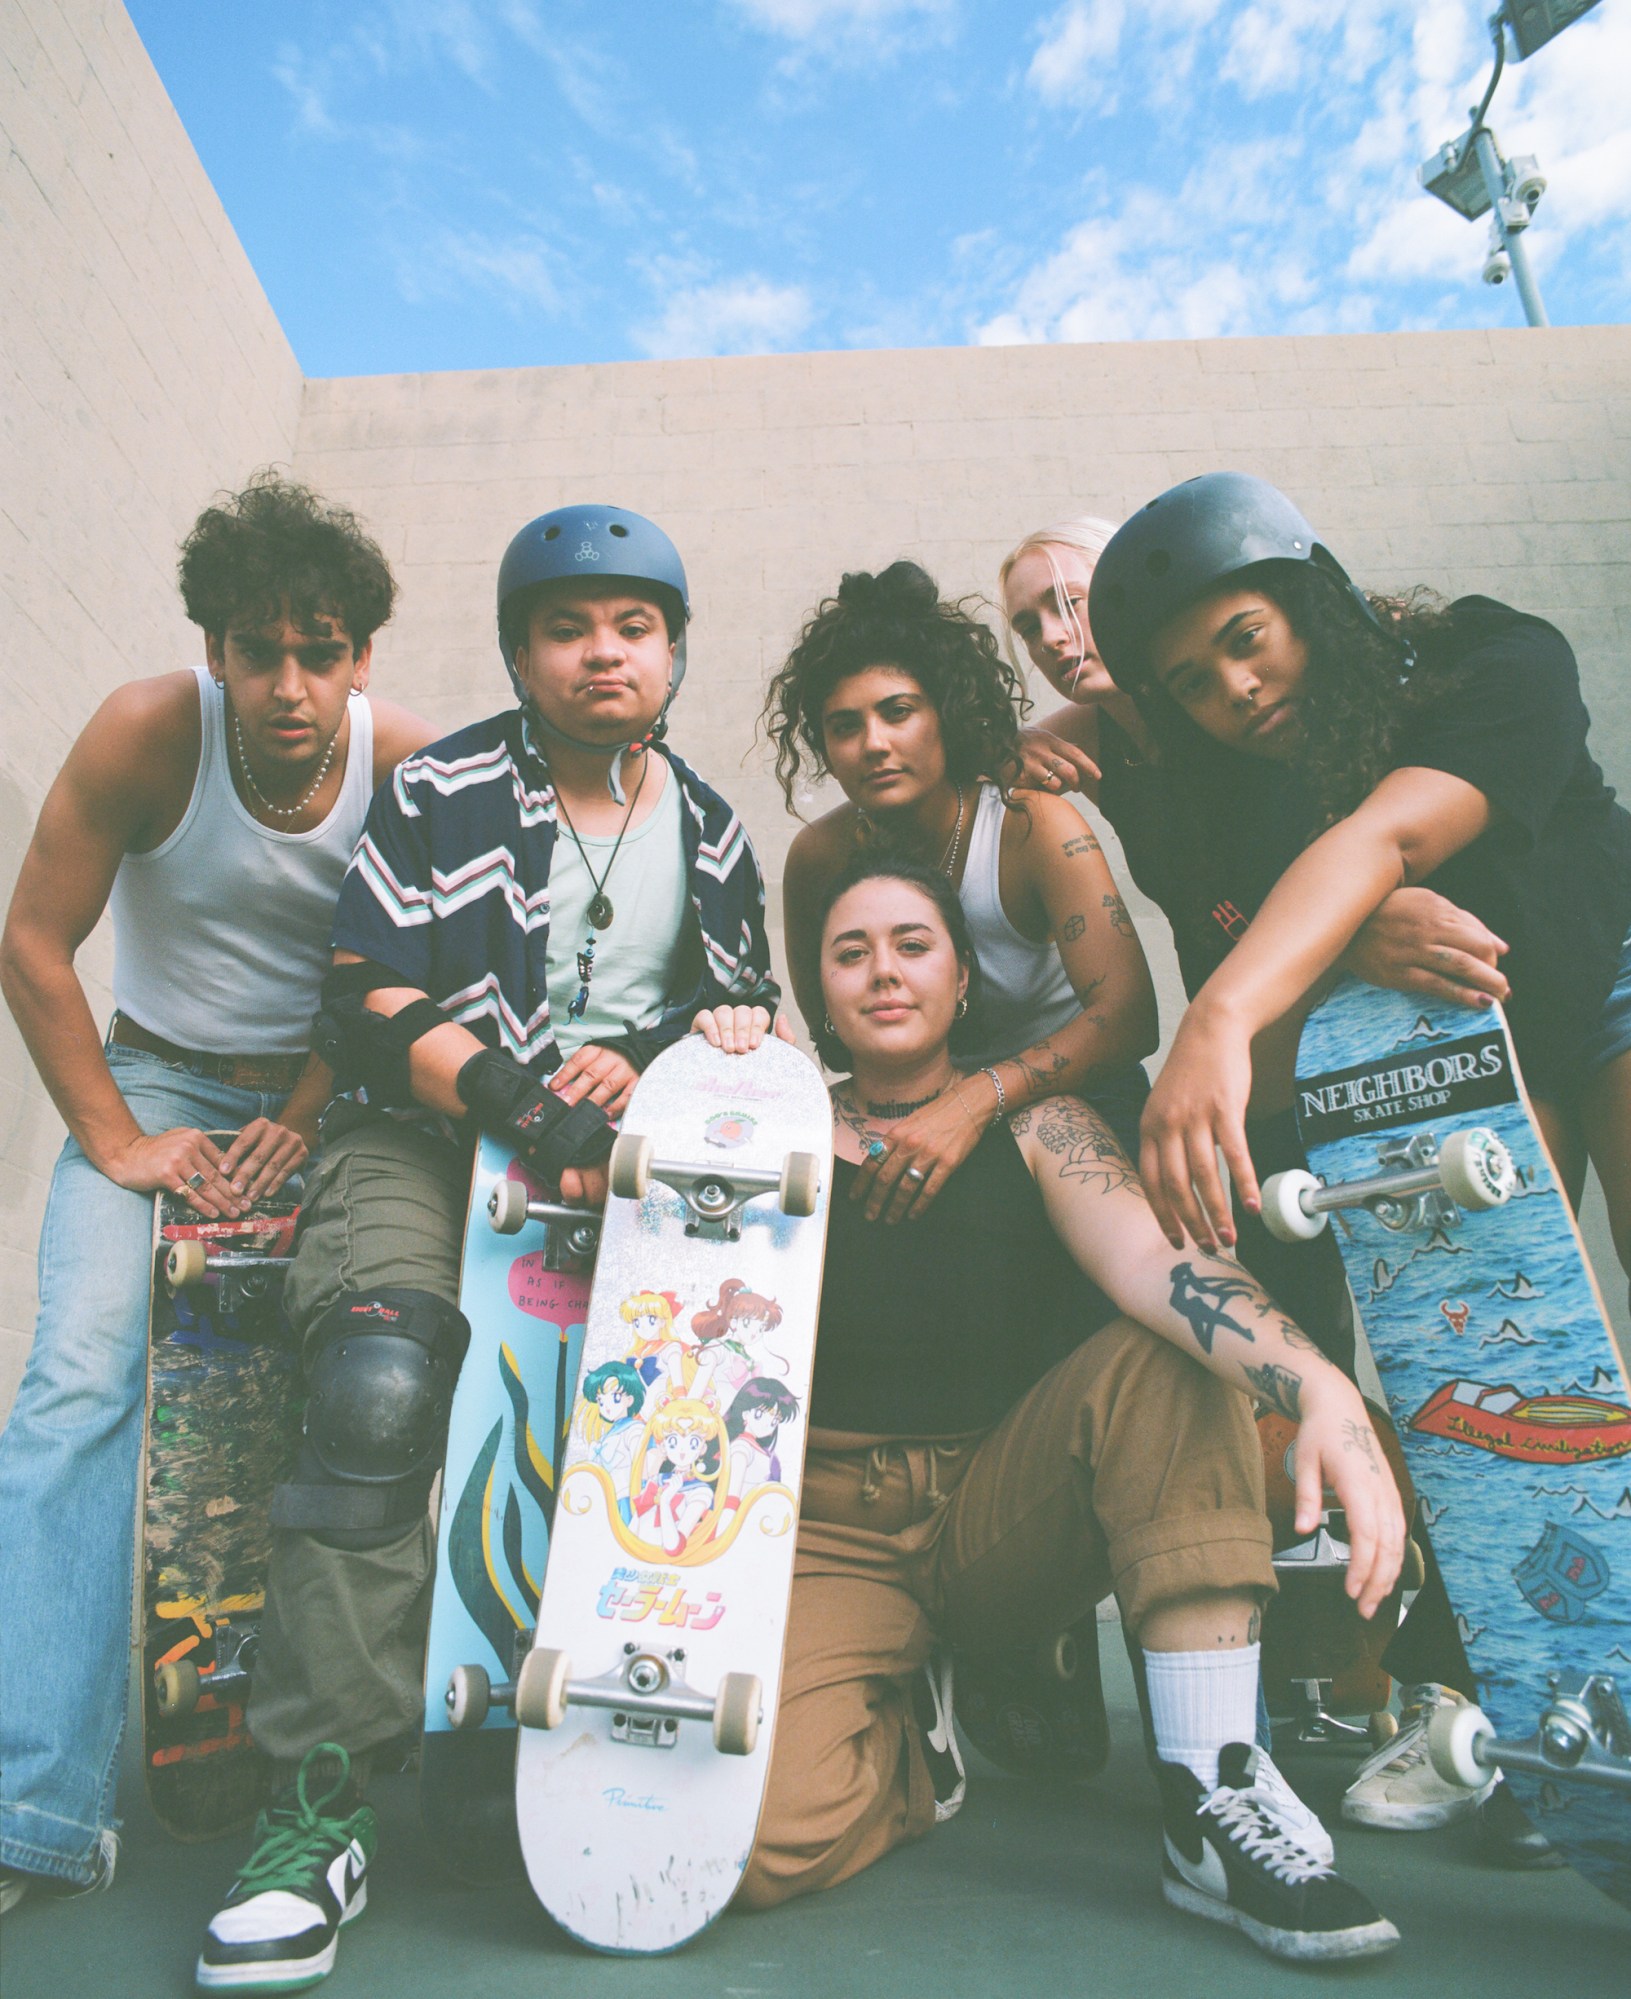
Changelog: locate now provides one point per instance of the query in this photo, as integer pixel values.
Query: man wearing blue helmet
(538, 904)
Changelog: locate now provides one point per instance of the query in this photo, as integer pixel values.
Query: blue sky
(492, 183)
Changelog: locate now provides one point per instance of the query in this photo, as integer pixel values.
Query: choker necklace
(948, 860)
(261, 799)
(897, 1109)
(600, 911)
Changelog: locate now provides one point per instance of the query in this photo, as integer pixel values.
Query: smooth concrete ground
(1038, 1891)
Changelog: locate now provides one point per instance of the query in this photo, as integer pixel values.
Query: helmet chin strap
(613, 752)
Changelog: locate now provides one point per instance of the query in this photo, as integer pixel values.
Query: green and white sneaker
(1397, 1789)
(279, 1928)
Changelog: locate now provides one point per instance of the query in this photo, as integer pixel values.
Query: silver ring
(195, 1180)
(913, 1173)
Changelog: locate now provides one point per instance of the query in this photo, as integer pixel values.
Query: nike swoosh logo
(1207, 1873)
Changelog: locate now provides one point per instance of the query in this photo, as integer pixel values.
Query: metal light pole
(1469, 174)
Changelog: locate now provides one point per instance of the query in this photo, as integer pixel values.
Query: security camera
(1497, 268)
(1525, 180)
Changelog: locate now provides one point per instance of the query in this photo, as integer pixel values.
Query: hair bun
(902, 586)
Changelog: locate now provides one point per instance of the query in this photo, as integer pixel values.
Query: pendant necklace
(600, 911)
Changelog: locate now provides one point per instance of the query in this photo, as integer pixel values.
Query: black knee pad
(381, 1377)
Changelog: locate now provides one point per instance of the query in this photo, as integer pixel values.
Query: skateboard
(1322, 1661)
(647, 1703)
(524, 1287)
(1510, 1396)
(224, 1405)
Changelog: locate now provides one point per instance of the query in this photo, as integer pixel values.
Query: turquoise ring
(876, 1149)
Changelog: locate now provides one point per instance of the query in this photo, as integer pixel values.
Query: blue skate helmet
(1183, 544)
(603, 542)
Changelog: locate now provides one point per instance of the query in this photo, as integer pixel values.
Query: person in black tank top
(1023, 1401)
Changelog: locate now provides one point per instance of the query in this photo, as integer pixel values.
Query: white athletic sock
(1198, 1702)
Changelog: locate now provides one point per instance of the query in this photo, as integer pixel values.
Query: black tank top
(935, 1328)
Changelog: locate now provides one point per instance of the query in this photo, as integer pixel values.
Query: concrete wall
(141, 369)
(144, 369)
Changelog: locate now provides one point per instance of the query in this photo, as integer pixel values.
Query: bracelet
(996, 1084)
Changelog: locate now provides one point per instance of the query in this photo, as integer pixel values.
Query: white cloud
(448, 263)
(803, 20)
(746, 315)
(1075, 60)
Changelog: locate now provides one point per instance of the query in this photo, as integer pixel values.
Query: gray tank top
(221, 935)
(1024, 992)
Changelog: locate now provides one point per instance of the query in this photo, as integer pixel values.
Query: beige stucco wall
(143, 369)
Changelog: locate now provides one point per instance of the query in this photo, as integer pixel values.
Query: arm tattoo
(1120, 921)
(1080, 843)
(1086, 995)
(1039, 1066)
(1360, 1437)
(1078, 1136)
(1019, 1122)
(1279, 1388)
(1200, 1302)
(1071, 929)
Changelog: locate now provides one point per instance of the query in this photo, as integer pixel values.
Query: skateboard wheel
(186, 1264)
(1383, 1726)
(1284, 1215)
(1057, 1657)
(507, 1208)
(1454, 1736)
(176, 1684)
(1413, 1569)
(801, 1183)
(737, 1706)
(540, 1688)
(1476, 1169)
(628, 1169)
(469, 1695)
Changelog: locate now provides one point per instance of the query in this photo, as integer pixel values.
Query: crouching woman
(977, 1461)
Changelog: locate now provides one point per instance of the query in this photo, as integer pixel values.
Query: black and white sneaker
(279, 1928)
(932, 1708)
(1229, 1859)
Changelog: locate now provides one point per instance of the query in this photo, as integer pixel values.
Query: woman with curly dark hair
(1348, 758)
(906, 701)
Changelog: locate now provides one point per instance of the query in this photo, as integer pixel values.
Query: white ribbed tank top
(221, 935)
(1024, 992)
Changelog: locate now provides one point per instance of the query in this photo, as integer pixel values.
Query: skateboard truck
(647, 1693)
(572, 1242)
(188, 1262)
(1425, 1186)
(1583, 1736)
(714, 1196)
(178, 1684)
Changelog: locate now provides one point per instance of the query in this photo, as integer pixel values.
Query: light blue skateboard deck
(498, 1484)
(1510, 1397)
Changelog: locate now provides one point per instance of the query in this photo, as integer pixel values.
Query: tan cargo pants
(1128, 1468)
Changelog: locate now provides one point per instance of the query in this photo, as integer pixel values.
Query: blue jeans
(69, 1461)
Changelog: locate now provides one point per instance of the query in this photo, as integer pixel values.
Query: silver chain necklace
(948, 860)
(261, 799)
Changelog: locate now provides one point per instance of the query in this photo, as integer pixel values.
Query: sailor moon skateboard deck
(1509, 1393)
(524, 1288)
(647, 1704)
(223, 1424)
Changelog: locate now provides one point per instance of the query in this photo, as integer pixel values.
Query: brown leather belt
(275, 1075)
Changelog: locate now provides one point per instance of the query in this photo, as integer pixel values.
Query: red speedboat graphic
(1539, 1429)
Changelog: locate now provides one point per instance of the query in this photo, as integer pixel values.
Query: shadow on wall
(20, 1109)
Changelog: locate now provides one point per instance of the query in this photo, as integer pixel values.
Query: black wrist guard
(547, 1132)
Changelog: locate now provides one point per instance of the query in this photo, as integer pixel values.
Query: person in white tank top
(213, 812)
(906, 701)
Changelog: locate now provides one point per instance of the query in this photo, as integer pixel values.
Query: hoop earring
(827, 1026)
(961, 1007)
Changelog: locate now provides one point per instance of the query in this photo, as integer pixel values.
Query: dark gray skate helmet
(604, 543)
(1183, 544)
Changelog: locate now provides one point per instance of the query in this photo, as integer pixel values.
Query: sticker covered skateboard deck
(223, 1424)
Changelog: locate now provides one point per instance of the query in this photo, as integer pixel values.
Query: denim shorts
(1611, 1037)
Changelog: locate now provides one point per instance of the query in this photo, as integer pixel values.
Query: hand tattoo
(1360, 1437)
(1279, 1388)
(1200, 1302)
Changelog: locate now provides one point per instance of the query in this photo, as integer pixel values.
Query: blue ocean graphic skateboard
(524, 1287)
(1510, 1396)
